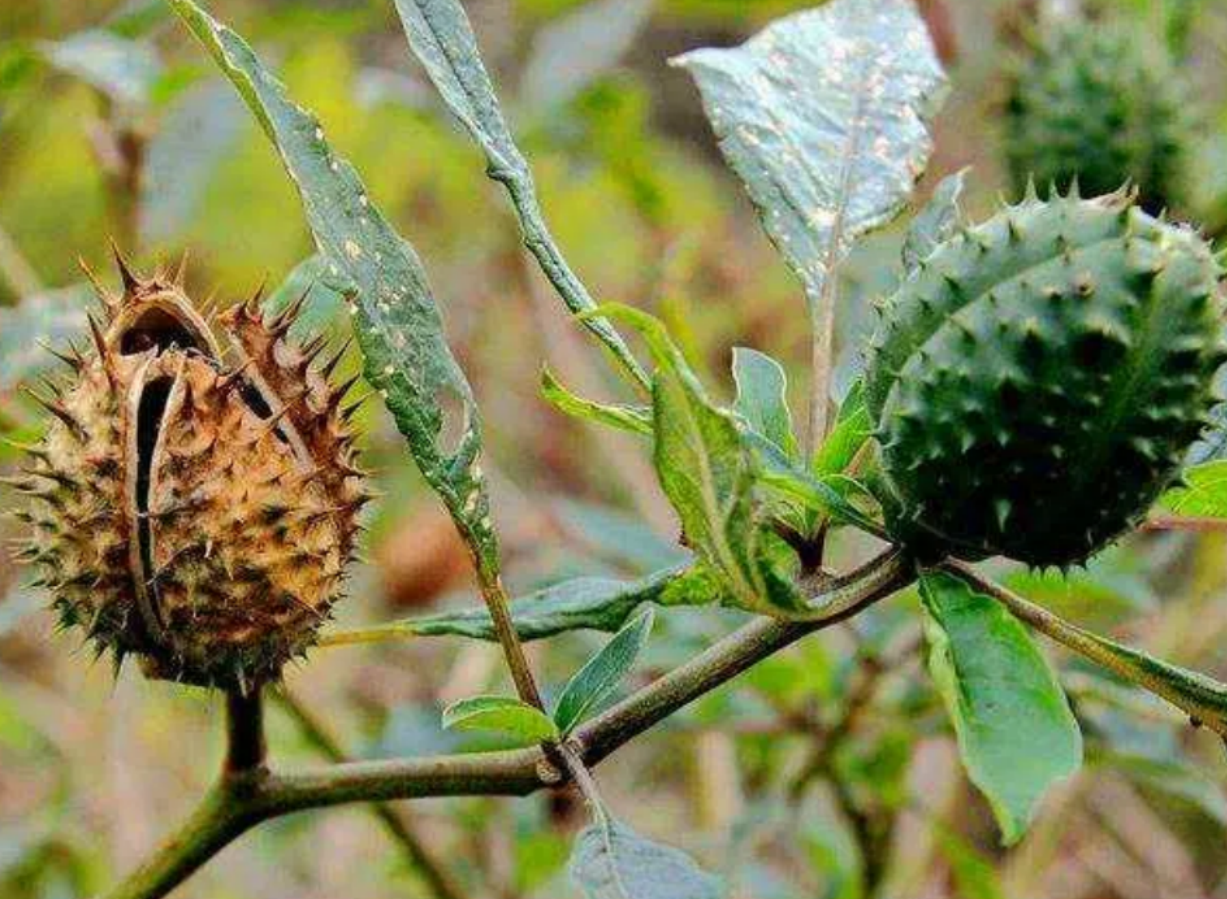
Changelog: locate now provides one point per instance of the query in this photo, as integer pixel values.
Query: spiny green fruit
(195, 513)
(1038, 378)
(1098, 104)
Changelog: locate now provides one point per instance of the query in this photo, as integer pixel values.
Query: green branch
(242, 800)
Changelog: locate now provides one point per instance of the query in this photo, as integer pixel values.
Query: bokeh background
(828, 771)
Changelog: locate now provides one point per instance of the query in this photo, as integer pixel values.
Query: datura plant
(1031, 390)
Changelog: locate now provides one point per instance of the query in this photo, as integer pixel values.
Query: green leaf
(636, 419)
(1206, 493)
(586, 603)
(762, 397)
(708, 474)
(397, 323)
(505, 714)
(441, 37)
(602, 673)
(50, 318)
(611, 861)
(572, 52)
(122, 69)
(824, 116)
(1016, 734)
(936, 222)
(852, 430)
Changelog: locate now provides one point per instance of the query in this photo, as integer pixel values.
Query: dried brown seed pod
(195, 512)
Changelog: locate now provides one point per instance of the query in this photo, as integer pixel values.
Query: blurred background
(828, 771)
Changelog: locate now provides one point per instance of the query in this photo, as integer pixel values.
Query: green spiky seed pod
(1098, 104)
(196, 514)
(1038, 379)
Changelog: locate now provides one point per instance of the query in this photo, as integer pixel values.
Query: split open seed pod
(191, 506)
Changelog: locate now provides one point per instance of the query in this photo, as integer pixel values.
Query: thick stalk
(241, 801)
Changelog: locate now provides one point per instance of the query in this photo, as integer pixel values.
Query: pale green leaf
(504, 714)
(441, 37)
(571, 52)
(824, 116)
(602, 673)
(762, 397)
(586, 603)
(1206, 493)
(935, 223)
(1016, 734)
(122, 69)
(611, 861)
(397, 323)
(708, 473)
(636, 419)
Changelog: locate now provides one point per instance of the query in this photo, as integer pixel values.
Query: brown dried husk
(196, 513)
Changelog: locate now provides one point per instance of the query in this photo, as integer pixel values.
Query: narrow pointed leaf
(762, 397)
(636, 419)
(441, 37)
(611, 861)
(586, 603)
(504, 714)
(602, 674)
(1016, 734)
(397, 323)
(824, 116)
(936, 222)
